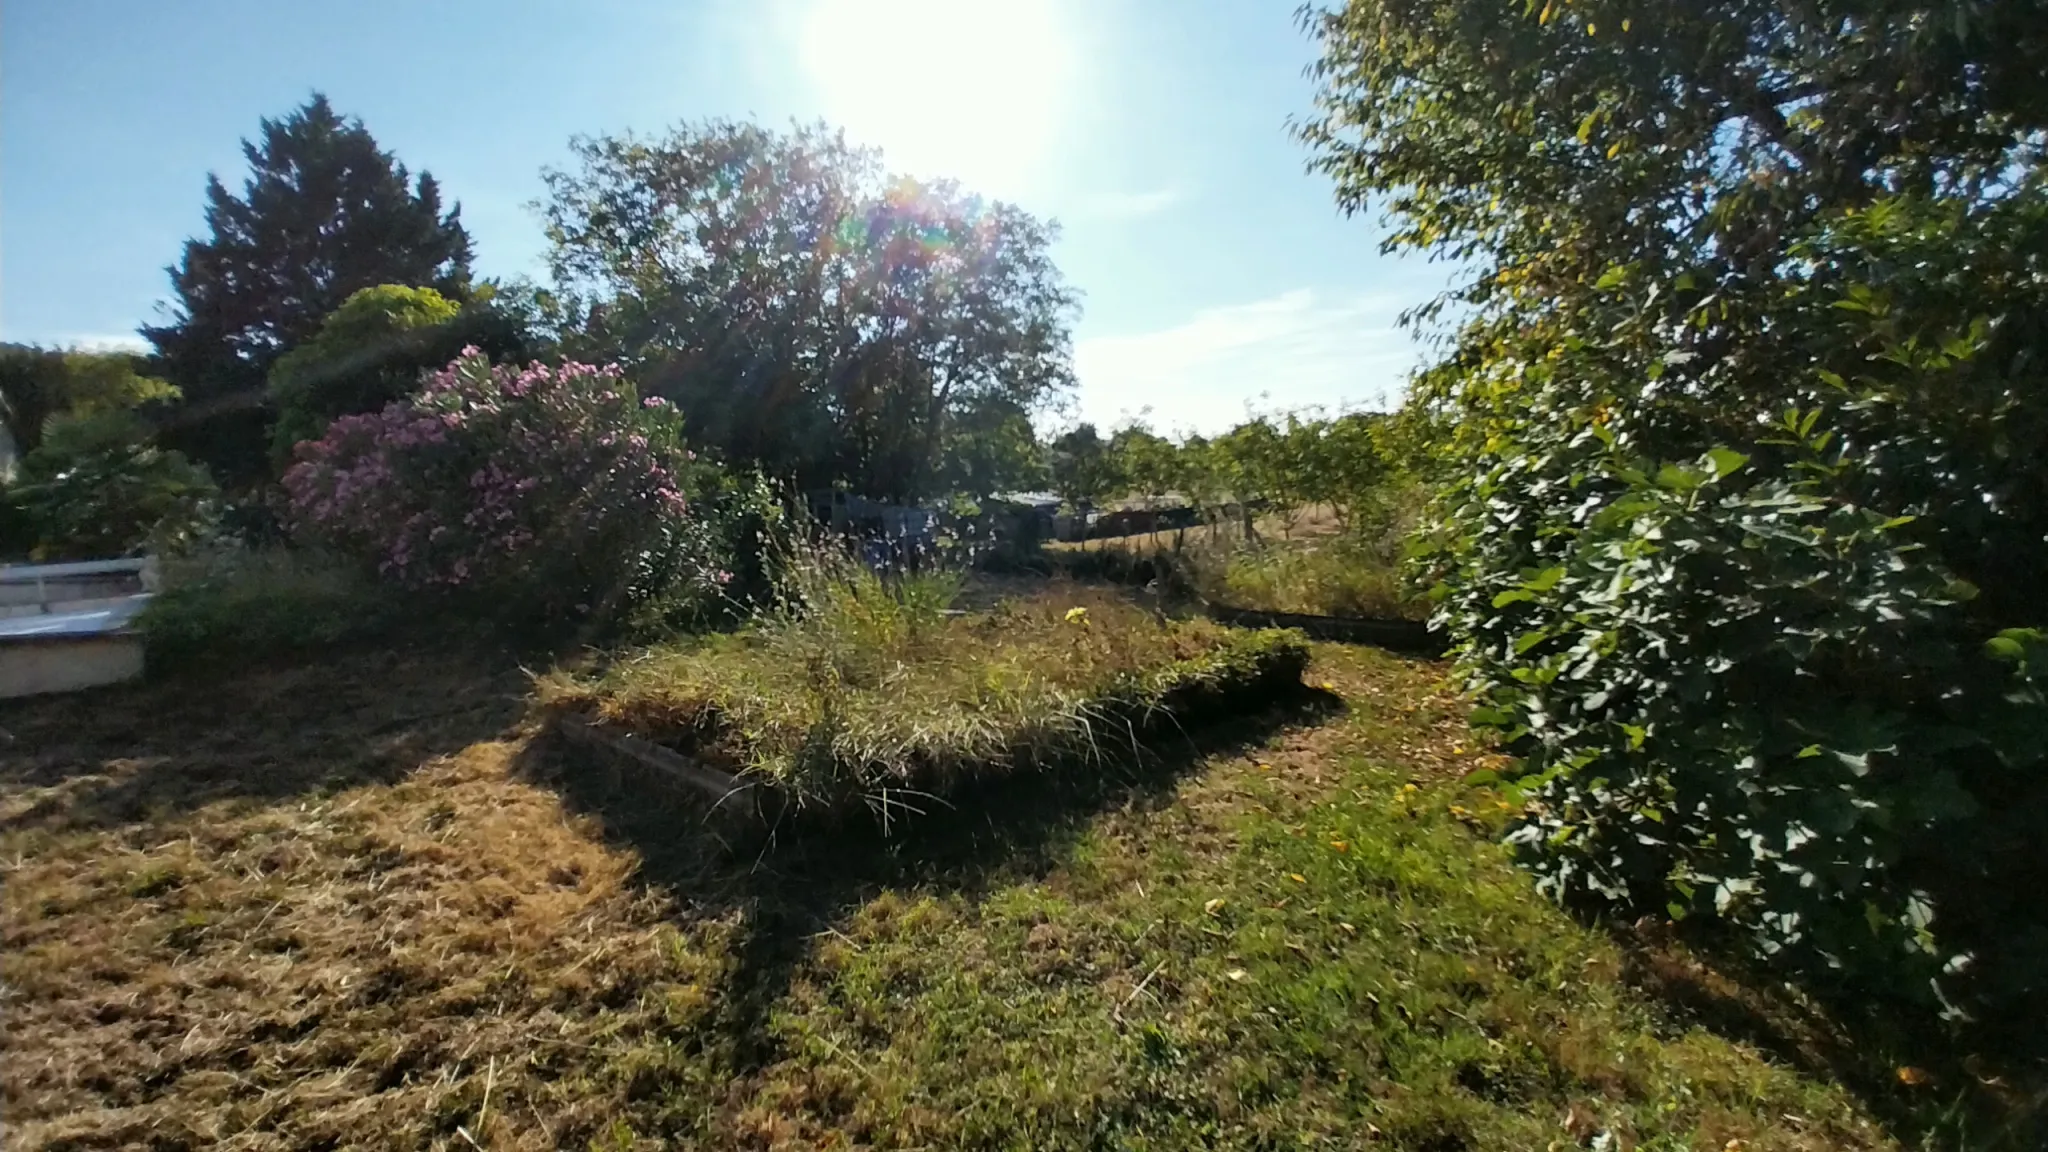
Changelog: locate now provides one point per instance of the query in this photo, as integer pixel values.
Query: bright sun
(968, 89)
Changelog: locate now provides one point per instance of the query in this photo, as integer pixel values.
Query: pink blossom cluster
(497, 472)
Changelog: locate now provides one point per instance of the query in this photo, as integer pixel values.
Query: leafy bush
(90, 483)
(41, 384)
(856, 690)
(238, 604)
(541, 493)
(95, 488)
(1756, 687)
(1743, 522)
(375, 348)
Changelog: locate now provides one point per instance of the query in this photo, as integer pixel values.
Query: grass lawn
(361, 906)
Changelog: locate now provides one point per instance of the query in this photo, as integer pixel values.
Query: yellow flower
(1077, 615)
(1340, 845)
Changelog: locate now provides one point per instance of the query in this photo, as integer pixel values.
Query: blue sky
(1216, 272)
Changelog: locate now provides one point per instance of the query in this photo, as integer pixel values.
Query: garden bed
(878, 705)
(1397, 635)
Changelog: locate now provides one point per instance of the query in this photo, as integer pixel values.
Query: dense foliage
(1282, 463)
(96, 487)
(376, 347)
(544, 492)
(37, 384)
(89, 483)
(1744, 521)
(324, 214)
(810, 313)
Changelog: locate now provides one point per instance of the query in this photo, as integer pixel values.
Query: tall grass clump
(859, 689)
(1333, 576)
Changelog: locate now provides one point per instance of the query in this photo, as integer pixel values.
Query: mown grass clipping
(859, 692)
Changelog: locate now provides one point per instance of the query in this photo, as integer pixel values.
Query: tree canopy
(323, 214)
(40, 384)
(808, 312)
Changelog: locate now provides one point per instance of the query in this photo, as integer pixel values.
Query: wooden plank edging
(1399, 635)
(721, 789)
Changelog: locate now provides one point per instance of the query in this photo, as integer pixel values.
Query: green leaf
(2004, 648)
(1512, 596)
(1725, 461)
(1613, 277)
(1677, 479)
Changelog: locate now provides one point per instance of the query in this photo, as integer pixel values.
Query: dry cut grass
(310, 908)
(874, 692)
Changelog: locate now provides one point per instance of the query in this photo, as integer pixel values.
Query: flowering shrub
(550, 492)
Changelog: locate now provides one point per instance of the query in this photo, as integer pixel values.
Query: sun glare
(967, 89)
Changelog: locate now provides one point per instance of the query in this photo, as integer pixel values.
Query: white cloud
(1291, 351)
(1130, 205)
(85, 341)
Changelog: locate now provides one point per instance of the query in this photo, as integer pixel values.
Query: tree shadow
(1932, 1085)
(792, 883)
(173, 744)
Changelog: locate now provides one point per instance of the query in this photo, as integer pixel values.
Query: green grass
(1331, 576)
(1311, 942)
(859, 690)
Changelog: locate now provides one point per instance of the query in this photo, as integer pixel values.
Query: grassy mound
(859, 691)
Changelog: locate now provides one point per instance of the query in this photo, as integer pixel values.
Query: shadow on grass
(1982, 1087)
(796, 882)
(268, 732)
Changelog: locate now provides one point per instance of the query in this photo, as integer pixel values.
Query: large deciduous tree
(807, 311)
(1745, 520)
(1081, 467)
(323, 214)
